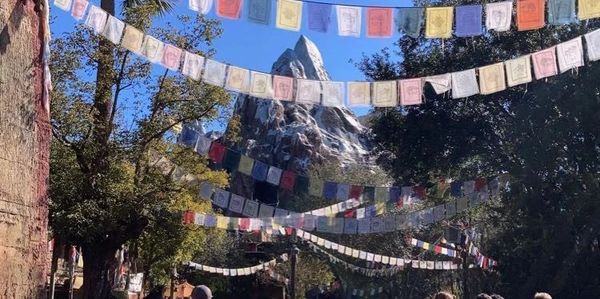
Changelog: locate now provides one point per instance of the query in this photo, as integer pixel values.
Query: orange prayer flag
(379, 22)
(229, 9)
(530, 14)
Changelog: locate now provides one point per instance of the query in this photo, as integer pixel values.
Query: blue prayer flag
(395, 193)
(330, 190)
(188, 136)
(259, 11)
(561, 12)
(456, 188)
(260, 171)
(469, 20)
(319, 16)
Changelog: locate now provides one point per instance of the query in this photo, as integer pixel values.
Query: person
(443, 295)
(483, 296)
(201, 292)
(496, 296)
(542, 296)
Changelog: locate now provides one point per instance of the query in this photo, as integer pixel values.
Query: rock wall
(24, 151)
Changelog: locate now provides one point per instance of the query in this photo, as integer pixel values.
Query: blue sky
(256, 46)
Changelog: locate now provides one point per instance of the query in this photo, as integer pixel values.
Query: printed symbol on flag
(357, 91)
(498, 17)
(289, 14)
(260, 85)
(530, 8)
(79, 8)
(571, 53)
(349, 21)
(438, 25)
(282, 90)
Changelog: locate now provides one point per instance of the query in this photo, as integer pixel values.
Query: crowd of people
(445, 295)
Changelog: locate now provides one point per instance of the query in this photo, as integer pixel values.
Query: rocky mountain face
(294, 136)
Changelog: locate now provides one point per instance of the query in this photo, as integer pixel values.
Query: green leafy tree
(112, 115)
(544, 135)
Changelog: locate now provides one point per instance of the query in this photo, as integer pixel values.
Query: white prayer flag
(96, 19)
(203, 145)
(464, 84)
(499, 15)
(221, 198)
(570, 54)
(592, 40)
(152, 49)
(362, 255)
(349, 20)
(440, 83)
(274, 175)
(360, 213)
(333, 93)
(359, 94)
(214, 72)
(236, 203)
(261, 85)
(192, 65)
(308, 91)
(113, 30)
(201, 6)
(518, 71)
(385, 94)
(266, 211)
(63, 4)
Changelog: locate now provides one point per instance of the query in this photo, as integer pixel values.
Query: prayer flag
(410, 20)
(289, 14)
(171, 57)
(222, 223)
(395, 194)
(231, 160)
(468, 20)
(379, 22)
(411, 91)
(382, 194)
(259, 11)
(192, 65)
(464, 84)
(349, 20)
(499, 15)
(530, 14)
(188, 136)
(236, 203)
(450, 208)
(480, 184)
(440, 83)
(360, 213)
(221, 198)
(152, 49)
(283, 88)
(113, 30)
(544, 63)
(63, 4)
(461, 204)
(251, 208)
(491, 78)
(206, 190)
(302, 183)
(343, 190)
(261, 85)
(359, 94)
(570, 54)
(237, 79)
(216, 152)
(96, 19)
(330, 190)
(316, 187)
(333, 93)
(214, 72)
(337, 225)
(319, 16)
(245, 165)
(229, 9)
(350, 226)
(308, 91)
(518, 71)
(439, 213)
(260, 171)
(368, 193)
(420, 192)
(78, 9)
(592, 40)
(589, 9)
(385, 94)
(355, 192)
(561, 12)
(377, 225)
(288, 180)
(439, 22)
(201, 6)
(274, 175)
(364, 225)
(266, 211)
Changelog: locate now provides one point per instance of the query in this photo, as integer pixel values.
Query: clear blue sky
(255, 46)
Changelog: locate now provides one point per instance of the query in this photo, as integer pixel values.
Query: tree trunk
(97, 262)
(24, 151)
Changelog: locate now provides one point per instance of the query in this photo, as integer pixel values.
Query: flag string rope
(492, 78)
(237, 271)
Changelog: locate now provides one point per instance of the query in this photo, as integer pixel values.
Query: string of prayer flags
(349, 20)
(410, 20)
(289, 14)
(492, 79)
(385, 94)
(439, 22)
(468, 20)
(379, 22)
(113, 30)
(561, 12)
(498, 16)
(259, 11)
(229, 9)
(434, 248)
(319, 16)
(238, 271)
(464, 84)
(589, 9)
(201, 6)
(544, 63)
(592, 40)
(570, 54)
(530, 14)
(96, 19)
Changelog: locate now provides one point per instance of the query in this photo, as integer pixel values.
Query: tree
(544, 135)
(111, 114)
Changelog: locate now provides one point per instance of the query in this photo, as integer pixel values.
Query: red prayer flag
(288, 180)
(349, 214)
(289, 231)
(355, 192)
(420, 192)
(379, 22)
(229, 8)
(480, 184)
(438, 249)
(400, 203)
(216, 152)
(244, 224)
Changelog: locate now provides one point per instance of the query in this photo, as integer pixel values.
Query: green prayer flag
(316, 187)
(231, 160)
(302, 183)
(246, 164)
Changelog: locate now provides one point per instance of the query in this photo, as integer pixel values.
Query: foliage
(544, 135)
(112, 114)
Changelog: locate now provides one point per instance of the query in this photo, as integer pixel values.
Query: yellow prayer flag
(246, 164)
(132, 39)
(222, 222)
(289, 14)
(380, 208)
(491, 78)
(589, 9)
(439, 22)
